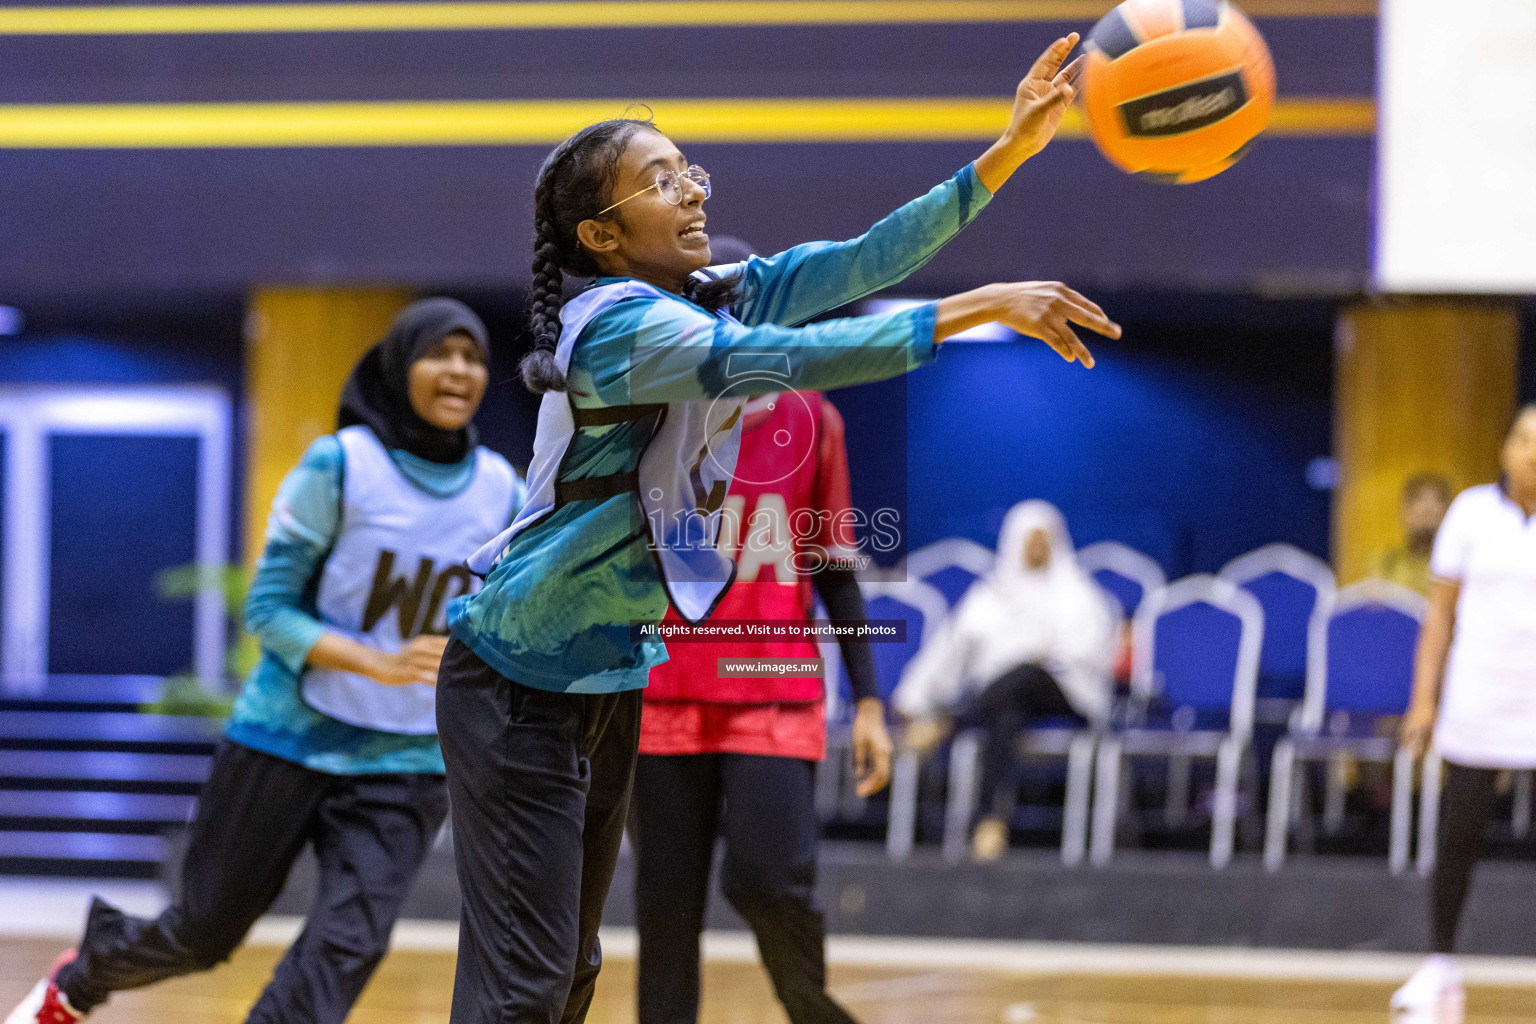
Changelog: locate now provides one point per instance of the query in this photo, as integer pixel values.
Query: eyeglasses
(670, 184)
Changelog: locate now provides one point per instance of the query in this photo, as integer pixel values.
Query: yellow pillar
(300, 345)
(1420, 385)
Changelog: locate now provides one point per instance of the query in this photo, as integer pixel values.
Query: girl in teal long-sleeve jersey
(332, 744)
(643, 376)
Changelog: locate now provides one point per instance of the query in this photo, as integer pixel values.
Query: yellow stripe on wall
(1331, 116)
(544, 122)
(387, 17)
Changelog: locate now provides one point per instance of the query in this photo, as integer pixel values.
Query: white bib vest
(683, 476)
(398, 561)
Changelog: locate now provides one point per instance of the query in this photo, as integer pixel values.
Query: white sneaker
(1434, 995)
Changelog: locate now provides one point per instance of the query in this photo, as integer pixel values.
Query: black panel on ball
(1202, 13)
(1112, 36)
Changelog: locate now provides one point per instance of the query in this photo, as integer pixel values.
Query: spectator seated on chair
(1030, 641)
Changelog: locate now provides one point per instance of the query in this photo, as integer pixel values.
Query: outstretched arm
(659, 350)
(807, 280)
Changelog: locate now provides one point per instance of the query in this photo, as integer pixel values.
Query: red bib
(790, 498)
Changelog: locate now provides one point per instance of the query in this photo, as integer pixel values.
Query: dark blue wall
(190, 339)
(1320, 56)
(124, 507)
(1190, 439)
(4, 452)
(147, 338)
(1295, 212)
(140, 337)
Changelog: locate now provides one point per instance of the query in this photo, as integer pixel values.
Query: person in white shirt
(1474, 687)
(1030, 640)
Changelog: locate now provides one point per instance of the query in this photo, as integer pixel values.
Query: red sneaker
(45, 1004)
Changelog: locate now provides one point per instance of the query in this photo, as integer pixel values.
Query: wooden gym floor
(414, 987)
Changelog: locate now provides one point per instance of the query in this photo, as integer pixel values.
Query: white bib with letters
(684, 473)
(398, 561)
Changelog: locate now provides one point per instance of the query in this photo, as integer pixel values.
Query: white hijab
(1055, 616)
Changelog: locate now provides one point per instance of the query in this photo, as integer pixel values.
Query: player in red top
(736, 757)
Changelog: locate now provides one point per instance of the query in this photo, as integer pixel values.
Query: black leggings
(540, 784)
(1005, 709)
(255, 814)
(763, 807)
(1466, 802)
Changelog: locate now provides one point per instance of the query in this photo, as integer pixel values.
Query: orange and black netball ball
(1176, 89)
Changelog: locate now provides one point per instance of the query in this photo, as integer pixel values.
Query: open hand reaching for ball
(1039, 309)
(1046, 310)
(1043, 97)
(1039, 104)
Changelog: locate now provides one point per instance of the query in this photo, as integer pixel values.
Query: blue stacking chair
(1360, 670)
(1197, 647)
(916, 603)
(1124, 573)
(1064, 738)
(1294, 589)
(950, 566)
(922, 608)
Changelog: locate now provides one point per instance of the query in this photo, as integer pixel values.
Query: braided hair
(575, 179)
(714, 293)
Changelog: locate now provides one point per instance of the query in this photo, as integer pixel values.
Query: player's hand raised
(1042, 98)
